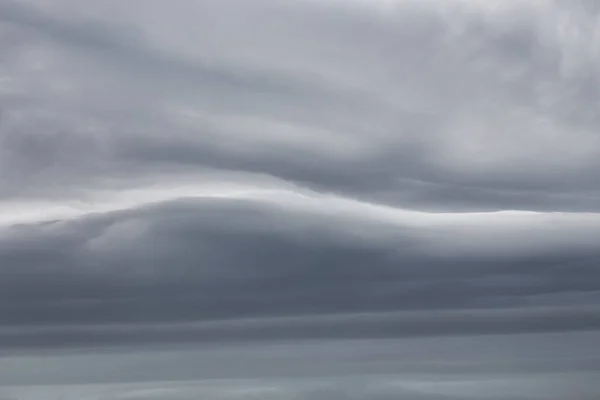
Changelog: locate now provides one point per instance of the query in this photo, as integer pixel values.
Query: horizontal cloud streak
(351, 326)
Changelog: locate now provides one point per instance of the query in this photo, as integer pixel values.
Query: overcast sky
(337, 183)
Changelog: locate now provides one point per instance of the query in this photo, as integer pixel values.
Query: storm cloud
(216, 172)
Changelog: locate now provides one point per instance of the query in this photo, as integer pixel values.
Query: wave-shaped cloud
(406, 168)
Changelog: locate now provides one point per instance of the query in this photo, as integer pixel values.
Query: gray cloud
(370, 129)
(264, 171)
(514, 366)
(285, 329)
(199, 259)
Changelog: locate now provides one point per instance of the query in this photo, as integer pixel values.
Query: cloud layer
(201, 172)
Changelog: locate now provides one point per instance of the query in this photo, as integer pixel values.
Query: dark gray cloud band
(284, 329)
(212, 259)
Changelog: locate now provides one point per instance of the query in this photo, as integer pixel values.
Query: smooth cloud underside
(168, 164)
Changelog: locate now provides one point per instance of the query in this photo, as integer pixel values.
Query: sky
(299, 199)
